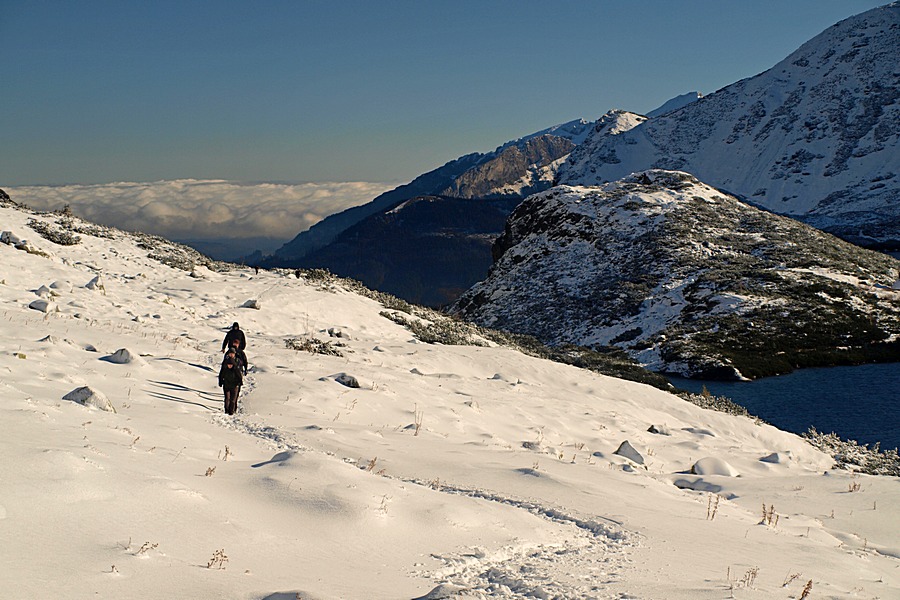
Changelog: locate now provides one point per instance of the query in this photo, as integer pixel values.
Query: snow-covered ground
(451, 472)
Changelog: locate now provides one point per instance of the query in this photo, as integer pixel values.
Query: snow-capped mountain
(675, 103)
(816, 137)
(687, 280)
(380, 451)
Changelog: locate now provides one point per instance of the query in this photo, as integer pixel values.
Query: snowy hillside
(466, 471)
(816, 137)
(686, 280)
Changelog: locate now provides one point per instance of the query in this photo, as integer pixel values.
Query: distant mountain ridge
(687, 280)
(816, 137)
(517, 164)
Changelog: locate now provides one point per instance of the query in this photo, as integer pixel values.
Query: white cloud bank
(203, 209)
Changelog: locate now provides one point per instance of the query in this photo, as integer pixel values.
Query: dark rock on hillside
(687, 280)
(324, 232)
(432, 247)
(517, 170)
(427, 250)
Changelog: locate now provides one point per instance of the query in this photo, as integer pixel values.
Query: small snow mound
(61, 285)
(627, 450)
(777, 458)
(254, 304)
(90, 397)
(444, 591)
(124, 356)
(713, 466)
(44, 306)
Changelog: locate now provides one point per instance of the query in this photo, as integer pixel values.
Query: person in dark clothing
(230, 380)
(234, 333)
(238, 355)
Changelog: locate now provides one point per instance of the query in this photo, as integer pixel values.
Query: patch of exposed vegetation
(314, 345)
(850, 455)
(51, 233)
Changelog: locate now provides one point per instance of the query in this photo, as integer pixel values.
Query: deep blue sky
(331, 90)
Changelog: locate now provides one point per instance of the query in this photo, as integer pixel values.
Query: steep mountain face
(687, 280)
(324, 232)
(427, 250)
(816, 137)
(516, 171)
(430, 247)
(507, 167)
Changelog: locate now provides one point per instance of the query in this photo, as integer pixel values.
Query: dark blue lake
(860, 403)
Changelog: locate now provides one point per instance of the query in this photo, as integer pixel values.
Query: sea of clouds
(203, 209)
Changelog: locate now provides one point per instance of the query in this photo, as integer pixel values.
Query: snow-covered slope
(450, 472)
(675, 103)
(687, 280)
(816, 137)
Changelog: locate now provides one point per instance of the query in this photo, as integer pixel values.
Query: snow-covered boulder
(96, 284)
(348, 380)
(628, 451)
(44, 306)
(8, 237)
(251, 304)
(90, 397)
(124, 356)
(777, 458)
(713, 466)
(63, 285)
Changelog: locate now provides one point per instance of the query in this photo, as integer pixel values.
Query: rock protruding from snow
(777, 458)
(628, 451)
(712, 465)
(8, 237)
(444, 591)
(41, 305)
(96, 284)
(347, 380)
(254, 304)
(90, 397)
(124, 356)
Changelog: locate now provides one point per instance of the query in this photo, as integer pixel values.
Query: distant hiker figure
(230, 381)
(234, 333)
(237, 355)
